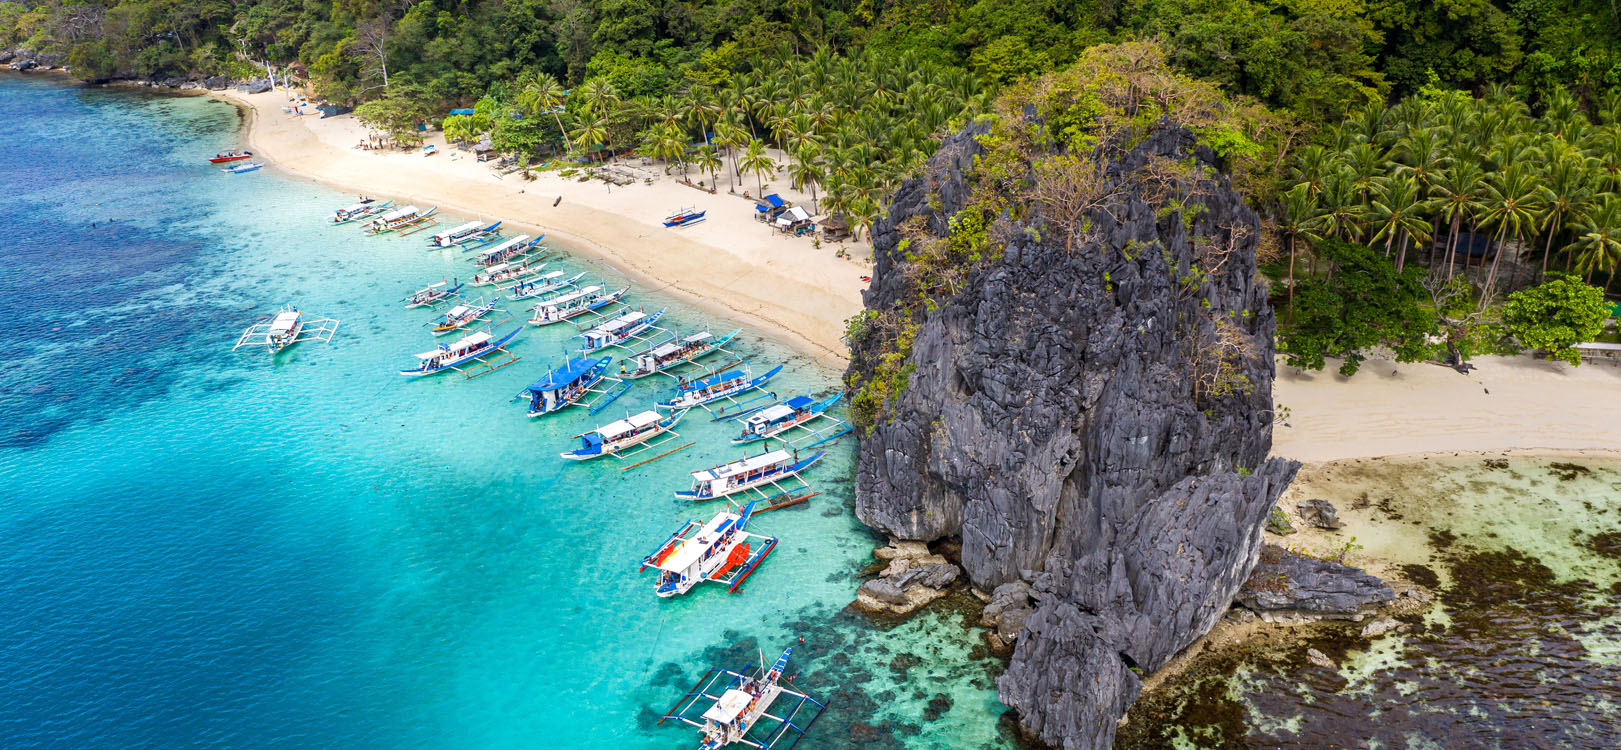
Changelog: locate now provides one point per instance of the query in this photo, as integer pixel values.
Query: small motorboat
(230, 156)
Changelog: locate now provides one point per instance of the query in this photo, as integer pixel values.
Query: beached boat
(749, 707)
(573, 304)
(747, 473)
(402, 220)
(472, 230)
(502, 273)
(433, 295)
(284, 329)
(513, 248)
(230, 156)
(242, 168)
(776, 420)
(619, 331)
(471, 355)
(717, 551)
(578, 381)
(626, 437)
(684, 217)
(461, 316)
(366, 207)
(541, 284)
(722, 386)
(670, 354)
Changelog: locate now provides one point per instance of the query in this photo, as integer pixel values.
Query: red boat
(230, 156)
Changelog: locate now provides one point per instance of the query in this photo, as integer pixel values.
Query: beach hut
(770, 207)
(484, 151)
(835, 229)
(794, 221)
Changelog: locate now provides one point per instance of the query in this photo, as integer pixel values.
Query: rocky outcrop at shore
(1054, 420)
(1289, 587)
(912, 577)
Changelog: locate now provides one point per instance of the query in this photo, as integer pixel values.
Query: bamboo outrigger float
(286, 328)
(716, 551)
(740, 713)
(582, 381)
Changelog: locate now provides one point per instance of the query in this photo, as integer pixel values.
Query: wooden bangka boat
(512, 248)
(737, 707)
(541, 284)
(670, 354)
(632, 436)
(433, 295)
(286, 328)
(366, 207)
(484, 351)
(620, 330)
(469, 232)
(747, 473)
(501, 273)
(797, 412)
(723, 386)
(404, 220)
(576, 382)
(684, 217)
(461, 316)
(574, 304)
(716, 551)
(230, 156)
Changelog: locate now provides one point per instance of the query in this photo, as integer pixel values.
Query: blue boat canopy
(800, 402)
(574, 370)
(462, 111)
(713, 379)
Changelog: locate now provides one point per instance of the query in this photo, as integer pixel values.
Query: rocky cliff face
(1062, 420)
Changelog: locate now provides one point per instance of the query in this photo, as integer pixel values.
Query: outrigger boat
(230, 156)
(716, 551)
(744, 700)
(574, 304)
(726, 385)
(241, 168)
(545, 283)
(796, 413)
(405, 220)
(286, 328)
(514, 248)
(617, 331)
(629, 437)
(574, 383)
(501, 273)
(365, 207)
(472, 230)
(462, 316)
(433, 295)
(487, 352)
(684, 217)
(670, 354)
(747, 473)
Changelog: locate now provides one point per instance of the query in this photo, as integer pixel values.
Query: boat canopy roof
(354, 208)
(463, 229)
(398, 213)
(742, 466)
(543, 277)
(571, 371)
(571, 296)
(696, 337)
(284, 321)
(457, 311)
(508, 245)
(497, 268)
(619, 323)
(773, 413)
(631, 423)
(800, 402)
(464, 342)
(730, 705)
(714, 380)
(694, 548)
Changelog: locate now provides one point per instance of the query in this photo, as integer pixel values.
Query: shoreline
(806, 315)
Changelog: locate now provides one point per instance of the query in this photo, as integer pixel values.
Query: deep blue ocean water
(207, 548)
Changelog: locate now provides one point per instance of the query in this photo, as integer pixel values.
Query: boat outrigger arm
(284, 329)
(749, 707)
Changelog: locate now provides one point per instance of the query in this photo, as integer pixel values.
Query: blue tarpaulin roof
(800, 402)
(566, 374)
(462, 111)
(773, 201)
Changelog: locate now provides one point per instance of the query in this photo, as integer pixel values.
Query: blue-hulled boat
(684, 217)
(716, 387)
(625, 437)
(482, 349)
(619, 330)
(568, 385)
(775, 420)
(745, 474)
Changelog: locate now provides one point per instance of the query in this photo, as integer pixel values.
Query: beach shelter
(770, 206)
(794, 220)
(483, 151)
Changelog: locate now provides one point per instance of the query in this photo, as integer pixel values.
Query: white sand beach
(730, 264)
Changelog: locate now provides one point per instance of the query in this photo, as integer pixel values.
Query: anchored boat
(230, 156)
(796, 414)
(501, 273)
(628, 437)
(671, 354)
(485, 353)
(747, 473)
(716, 551)
(461, 316)
(469, 232)
(404, 220)
(684, 217)
(241, 168)
(618, 331)
(724, 386)
(515, 248)
(286, 328)
(737, 708)
(433, 295)
(574, 304)
(576, 382)
(365, 207)
(540, 284)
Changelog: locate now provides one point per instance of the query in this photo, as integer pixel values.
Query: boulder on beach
(1320, 513)
(1289, 587)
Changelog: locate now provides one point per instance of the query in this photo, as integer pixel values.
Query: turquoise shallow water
(207, 548)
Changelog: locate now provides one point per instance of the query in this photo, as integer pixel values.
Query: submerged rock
(1379, 627)
(1052, 421)
(908, 591)
(1288, 587)
(1320, 513)
(1321, 659)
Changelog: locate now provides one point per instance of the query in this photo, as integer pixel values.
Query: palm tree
(591, 133)
(863, 212)
(707, 159)
(1566, 186)
(1397, 209)
(756, 160)
(1458, 191)
(729, 133)
(1512, 204)
(805, 170)
(1343, 212)
(1298, 219)
(1598, 240)
(545, 94)
(598, 96)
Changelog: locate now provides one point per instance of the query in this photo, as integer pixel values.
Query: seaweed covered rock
(1066, 361)
(1289, 586)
